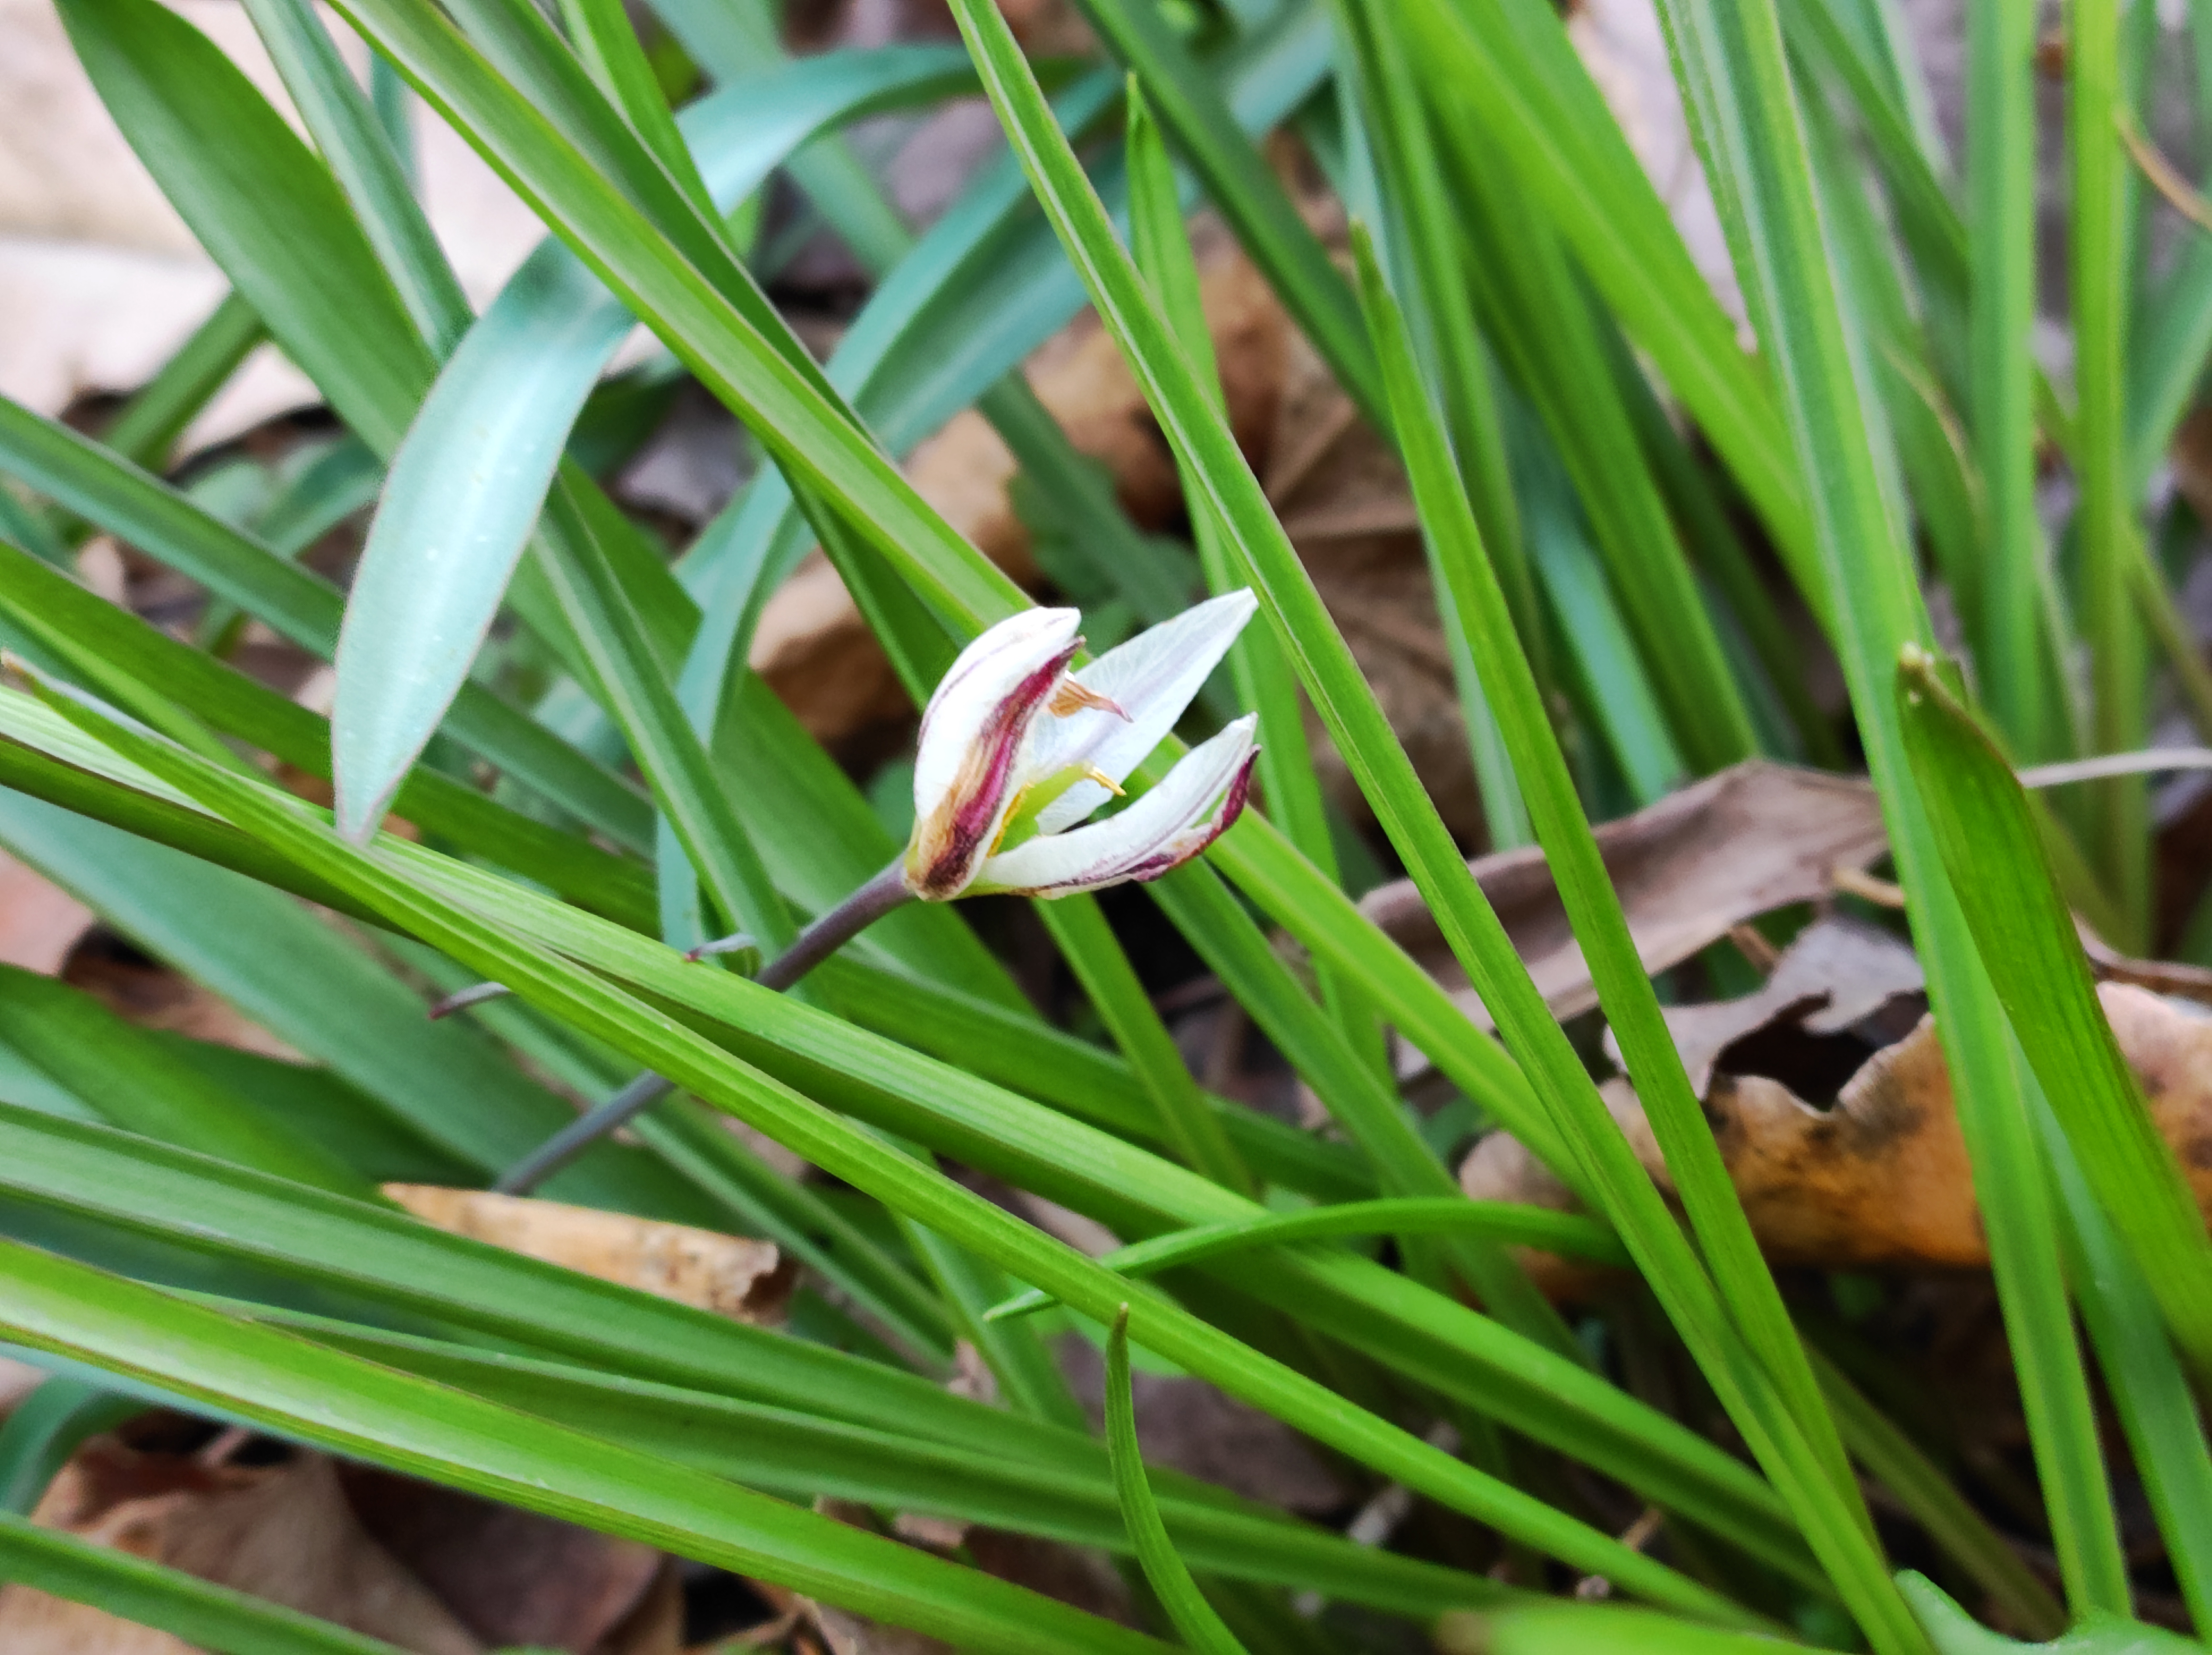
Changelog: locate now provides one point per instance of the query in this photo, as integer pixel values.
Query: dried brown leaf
(515, 1578)
(1756, 837)
(732, 1275)
(284, 1532)
(1879, 1177)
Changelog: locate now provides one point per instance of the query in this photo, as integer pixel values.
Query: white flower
(1015, 751)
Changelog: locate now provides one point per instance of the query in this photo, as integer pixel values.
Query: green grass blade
(586, 1001)
(1161, 248)
(2149, 1388)
(1601, 662)
(126, 1073)
(606, 41)
(1421, 221)
(1186, 1120)
(733, 43)
(1026, 1056)
(1194, 1618)
(1539, 314)
(2026, 938)
(1344, 701)
(1794, 1434)
(1355, 1091)
(797, 1455)
(239, 705)
(755, 1199)
(1527, 1227)
(1383, 115)
(355, 1408)
(642, 695)
(467, 485)
(2105, 526)
(284, 1244)
(44, 1429)
(355, 146)
(2000, 196)
(1507, 67)
(260, 202)
(1953, 1632)
(298, 978)
(145, 429)
(1736, 82)
(1896, 1461)
(1244, 189)
(1432, 1339)
(155, 1595)
(297, 603)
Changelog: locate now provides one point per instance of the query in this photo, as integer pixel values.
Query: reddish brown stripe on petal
(948, 847)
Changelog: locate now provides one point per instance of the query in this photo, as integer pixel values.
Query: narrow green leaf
(297, 978)
(356, 1407)
(1429, 1337)
(354, 146)
(1559, 1629)
(240, 705)
(122, 1071)
(1953, 1632)
(2001, 193)
(1536, 311)
(797, 1455)
(1896, 1461)
(1507, 67)
(586, 1001)
(1194, 1618)
(467, 484)
(146, 427)
(1244, 189)
(1767, 1383)
(2158, 1410)
(297, 603)
(1527, 1227)
(258, 200)
(1736, 82)
(43, 1430)
(2026, 939)
(2105, 526)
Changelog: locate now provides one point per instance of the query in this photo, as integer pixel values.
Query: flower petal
(1164, 829)
(968, 769)
(1151, 678)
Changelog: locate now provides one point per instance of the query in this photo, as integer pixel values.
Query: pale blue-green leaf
(467, 484)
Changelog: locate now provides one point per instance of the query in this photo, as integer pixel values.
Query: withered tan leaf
(515, 1578)
(1756, 837)
(1879, 1177)
(284, 1532)
(1839, 972)
(732, 1275)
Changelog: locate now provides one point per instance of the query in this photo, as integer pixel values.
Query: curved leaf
(1201, 1629)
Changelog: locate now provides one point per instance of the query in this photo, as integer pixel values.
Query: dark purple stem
(828, 933)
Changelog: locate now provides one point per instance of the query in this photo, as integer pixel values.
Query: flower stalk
(1015, 752)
